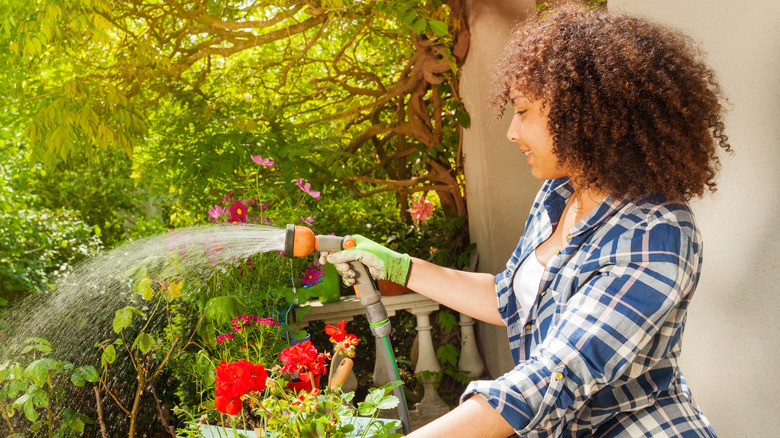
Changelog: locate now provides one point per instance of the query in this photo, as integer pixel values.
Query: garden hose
(300, 242)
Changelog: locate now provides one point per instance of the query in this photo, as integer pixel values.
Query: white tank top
(527, 280)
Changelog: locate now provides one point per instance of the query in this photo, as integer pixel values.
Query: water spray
(300, 242)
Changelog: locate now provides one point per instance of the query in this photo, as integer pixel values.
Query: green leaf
(144, 342)
(437, 27)
(29, 411)
(75, 425)
(40, 398)
(108, 356)
(90, 373)
(21, 400)
(222, 309)
(144, 288)
(78, 378)
(37, 372)
(388, 402)
(366, 409)
(124, 317)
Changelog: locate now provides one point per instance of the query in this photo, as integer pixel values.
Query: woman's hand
(383, 263)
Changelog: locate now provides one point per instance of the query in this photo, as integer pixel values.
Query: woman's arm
(473, 418)
(470, 293)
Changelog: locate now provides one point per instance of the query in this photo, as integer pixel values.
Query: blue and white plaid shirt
(597, 353)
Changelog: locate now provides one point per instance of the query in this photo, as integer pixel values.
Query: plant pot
(388, 288)
(360, 423)
(327, 289)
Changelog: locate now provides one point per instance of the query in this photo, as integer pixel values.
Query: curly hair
(633, 109)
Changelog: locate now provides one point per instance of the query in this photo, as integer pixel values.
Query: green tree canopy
(361, 95)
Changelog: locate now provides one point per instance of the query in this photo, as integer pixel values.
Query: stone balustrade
(431, 406)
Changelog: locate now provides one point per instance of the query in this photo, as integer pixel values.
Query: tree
(361, 95)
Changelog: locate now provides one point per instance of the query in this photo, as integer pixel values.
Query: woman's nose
(513, 133)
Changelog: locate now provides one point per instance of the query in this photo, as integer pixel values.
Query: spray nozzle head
(301, 241)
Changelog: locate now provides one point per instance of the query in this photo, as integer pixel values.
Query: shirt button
(543, 293)
(557, 251)
(568, 237)
(558, 376)
(528, 327)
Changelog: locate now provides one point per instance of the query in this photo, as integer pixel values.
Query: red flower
(304, 359)
(234, 380)
(421, 209)
(237, 212)
(336, 333)
(228, 406)
(259, 376)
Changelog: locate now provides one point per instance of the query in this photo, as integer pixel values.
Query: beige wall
(731, 355)
(499, 185)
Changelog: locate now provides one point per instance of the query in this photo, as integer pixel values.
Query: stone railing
(431, 406)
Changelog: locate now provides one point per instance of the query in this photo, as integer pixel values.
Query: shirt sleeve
(618, 323)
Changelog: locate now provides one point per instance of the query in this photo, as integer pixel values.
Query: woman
(622, 120)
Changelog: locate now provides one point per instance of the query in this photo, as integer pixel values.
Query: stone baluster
(470, 359)
(431, 406)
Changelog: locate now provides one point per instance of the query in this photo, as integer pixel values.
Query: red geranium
(235, 379)
(336, 333)
(304, 359)
(228, 406)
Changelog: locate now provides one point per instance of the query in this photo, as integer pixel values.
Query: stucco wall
(731, 352)
(499, 185)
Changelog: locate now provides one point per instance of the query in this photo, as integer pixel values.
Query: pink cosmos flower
(312, 275)
(421, 210)
(227, 198)
(307, 220)
(237, 212)
(216, 212)
(306, 187)
(267, 162)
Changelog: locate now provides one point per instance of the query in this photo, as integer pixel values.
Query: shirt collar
(561, 190)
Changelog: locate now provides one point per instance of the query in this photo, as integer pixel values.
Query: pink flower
(312, 275)
(216, 212)
(421, 210)
(307, 220)
(227, 198)
(237, 212)
(306, 187)
(227, 337)
(267, 162)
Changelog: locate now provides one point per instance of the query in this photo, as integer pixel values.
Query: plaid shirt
(597, 353)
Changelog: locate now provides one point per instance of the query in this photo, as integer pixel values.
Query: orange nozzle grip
(349, 243)
(304, 242)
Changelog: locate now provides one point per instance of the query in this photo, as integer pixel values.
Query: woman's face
(529, 131)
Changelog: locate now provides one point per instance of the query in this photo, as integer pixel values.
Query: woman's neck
(582, 202)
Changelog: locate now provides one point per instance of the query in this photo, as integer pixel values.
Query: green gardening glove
(382, 263)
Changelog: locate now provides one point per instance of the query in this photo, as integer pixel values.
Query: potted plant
(284, 399)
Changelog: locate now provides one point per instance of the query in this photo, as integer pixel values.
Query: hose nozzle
(301, 241)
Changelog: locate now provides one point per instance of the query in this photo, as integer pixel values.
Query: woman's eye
(520, 112)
